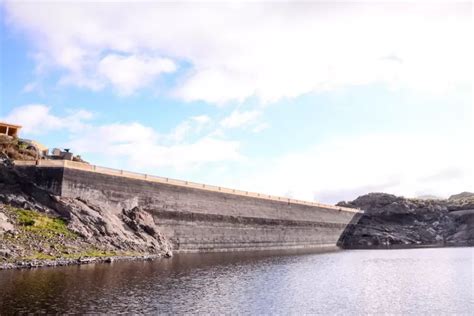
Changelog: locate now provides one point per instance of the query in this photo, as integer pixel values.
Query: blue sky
(309, 100)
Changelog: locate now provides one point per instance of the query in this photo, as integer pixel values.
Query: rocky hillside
(393, 221)
(13, 148)
(462, 196)
(37, 228)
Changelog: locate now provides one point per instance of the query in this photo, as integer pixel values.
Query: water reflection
(417, 281)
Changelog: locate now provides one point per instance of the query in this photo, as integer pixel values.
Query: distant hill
(462, 196)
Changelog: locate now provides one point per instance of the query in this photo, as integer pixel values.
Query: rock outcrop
(35, 225)
(462, 196)
(392, 221)
(13, 148)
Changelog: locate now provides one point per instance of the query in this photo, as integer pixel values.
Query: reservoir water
(414, 281)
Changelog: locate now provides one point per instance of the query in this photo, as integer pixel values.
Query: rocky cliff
(392, 221)
(37, 228)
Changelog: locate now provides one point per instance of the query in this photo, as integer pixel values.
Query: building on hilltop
(61, 154)
(9, 129)
(28, 149)
(12, 132)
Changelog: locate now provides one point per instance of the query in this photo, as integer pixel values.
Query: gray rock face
(462, 196)
(393, 221)
(5, 225)
(96, 226)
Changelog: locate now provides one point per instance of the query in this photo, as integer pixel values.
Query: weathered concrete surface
(202, 220)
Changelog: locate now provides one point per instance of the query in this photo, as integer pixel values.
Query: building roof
(10, 125)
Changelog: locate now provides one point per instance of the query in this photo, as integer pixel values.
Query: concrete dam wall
(197, 217)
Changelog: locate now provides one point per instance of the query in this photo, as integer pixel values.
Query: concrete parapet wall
(198, 217)
(151, 178)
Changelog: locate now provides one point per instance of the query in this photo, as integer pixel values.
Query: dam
(198, 217)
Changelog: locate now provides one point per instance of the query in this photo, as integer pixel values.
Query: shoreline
(52, 263)
(395, 247)
(61, 262)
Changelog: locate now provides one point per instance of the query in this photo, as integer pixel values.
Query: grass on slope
(42, 224)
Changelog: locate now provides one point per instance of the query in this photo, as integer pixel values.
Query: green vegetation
(42, 224)
(43, 237)
(22, 145)
(39, 256)
(90, 253)
(25, 218)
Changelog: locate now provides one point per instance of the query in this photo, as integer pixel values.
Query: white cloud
(236, 51)
(342, 169)
(239, 119)
(37, 119)
(260, 127)
(193, 125)
(201, 119)
(129, 73)
(143, 148)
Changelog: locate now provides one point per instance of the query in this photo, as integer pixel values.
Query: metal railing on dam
(190, 184)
